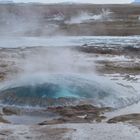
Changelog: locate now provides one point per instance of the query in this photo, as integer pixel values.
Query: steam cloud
(84, 17)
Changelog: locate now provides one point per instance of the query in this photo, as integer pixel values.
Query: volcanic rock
(76, 114)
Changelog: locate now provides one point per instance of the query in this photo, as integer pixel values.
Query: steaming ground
(69, 20)
(109, 63)
(37, 65)
(85, 58)
(84, 54)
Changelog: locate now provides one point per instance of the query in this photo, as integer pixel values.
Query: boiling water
(68, 86)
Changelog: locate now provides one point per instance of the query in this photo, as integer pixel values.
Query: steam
(25, 22)
(84, 17)
(60, 60)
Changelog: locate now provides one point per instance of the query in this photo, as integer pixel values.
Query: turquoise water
(42, 91)
(56, 90)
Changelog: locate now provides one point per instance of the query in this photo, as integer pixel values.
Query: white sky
(82, 1)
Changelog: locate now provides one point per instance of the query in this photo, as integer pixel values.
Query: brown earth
(128, 66)
(129, 51)
(133, 119)
(125, 118)
(77, 114)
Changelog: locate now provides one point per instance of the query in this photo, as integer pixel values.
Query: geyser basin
(56, 90)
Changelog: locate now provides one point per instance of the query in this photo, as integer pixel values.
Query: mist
(20, 20)
(85, 17)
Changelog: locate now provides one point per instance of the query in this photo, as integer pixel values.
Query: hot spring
(59, 90)
(57, 74)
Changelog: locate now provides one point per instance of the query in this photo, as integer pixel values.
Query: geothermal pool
(62, 75)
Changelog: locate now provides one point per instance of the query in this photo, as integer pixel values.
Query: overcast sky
(82, 1)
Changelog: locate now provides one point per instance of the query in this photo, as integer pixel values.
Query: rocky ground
(80, 122)
(124, 59)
